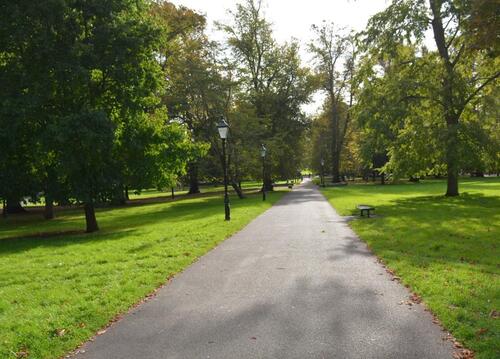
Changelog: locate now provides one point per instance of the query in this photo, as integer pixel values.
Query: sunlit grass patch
(56, 292)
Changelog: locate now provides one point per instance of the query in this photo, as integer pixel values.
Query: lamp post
(322, 172)
(223, 128)
(263, 151)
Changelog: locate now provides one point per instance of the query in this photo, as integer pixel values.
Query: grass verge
(445, 249)
(56, 292)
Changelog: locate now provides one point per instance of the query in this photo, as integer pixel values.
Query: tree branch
(480, 88)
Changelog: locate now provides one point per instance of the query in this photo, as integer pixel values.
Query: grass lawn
(56, 292)
(445, 249)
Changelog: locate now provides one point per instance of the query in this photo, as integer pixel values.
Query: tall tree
(335, 55)
(405, 22)
(274, 83)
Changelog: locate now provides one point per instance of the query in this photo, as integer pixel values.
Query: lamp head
(223, 128)
(263, 151)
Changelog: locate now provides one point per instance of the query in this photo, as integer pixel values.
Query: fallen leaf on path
(464, 354)
(415, 298)
(101, 332)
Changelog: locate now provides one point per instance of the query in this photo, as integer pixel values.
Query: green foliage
(274, 85)
(450, 260)
(334, 52)
(85, 143)
(423, 99)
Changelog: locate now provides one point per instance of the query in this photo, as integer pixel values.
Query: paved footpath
(294, 283)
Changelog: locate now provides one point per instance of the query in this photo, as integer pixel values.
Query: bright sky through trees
(293, 18)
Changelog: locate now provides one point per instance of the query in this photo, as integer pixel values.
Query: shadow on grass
(437, 228)
(116, 223)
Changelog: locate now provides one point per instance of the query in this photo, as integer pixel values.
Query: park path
(294, 283)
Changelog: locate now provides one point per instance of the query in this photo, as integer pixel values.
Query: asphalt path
(295, 283)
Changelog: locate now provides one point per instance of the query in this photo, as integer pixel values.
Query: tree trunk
(268, 183)
(452, 158)
(4, 209)
(127, 196)
(173, 193)
(14, 206)
(48, 212)
(336, 167)
(450, 106)
(194, 186)
(237, 189)
(90, 218)
(119, 198)
(382, 178)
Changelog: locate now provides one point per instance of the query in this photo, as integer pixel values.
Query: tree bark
(336, 167)
(90, 218)
(237, 189)
(14, 206)
(268, 183)
(48, 212)
(173, 193)
(194, 186)
(450, 106)
(127, 196)
(452, 159)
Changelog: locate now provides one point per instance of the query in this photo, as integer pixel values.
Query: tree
(90, 105)
(197, 91)
(335, 56)
(405, 22)
(274, 84)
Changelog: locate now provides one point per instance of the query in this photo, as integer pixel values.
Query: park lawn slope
(56, 292)
(445, 249)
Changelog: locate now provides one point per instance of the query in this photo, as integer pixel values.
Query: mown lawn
(56, 292)
(445, 249)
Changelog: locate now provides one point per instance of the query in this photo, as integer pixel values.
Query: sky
(293, 18)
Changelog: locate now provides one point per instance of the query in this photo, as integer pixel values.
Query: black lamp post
(223, 128)
(263, 151)
(322, 172)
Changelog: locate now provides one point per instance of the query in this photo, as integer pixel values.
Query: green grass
(445, 249)
(56, 292)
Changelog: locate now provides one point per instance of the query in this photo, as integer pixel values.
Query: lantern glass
(263, 151)
(223, 128)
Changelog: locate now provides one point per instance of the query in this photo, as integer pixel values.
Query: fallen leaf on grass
(494, 314)
(481, 331)
(23, 353)
(60, 332)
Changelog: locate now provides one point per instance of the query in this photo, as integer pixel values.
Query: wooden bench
(365, 208)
